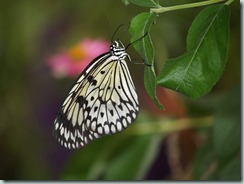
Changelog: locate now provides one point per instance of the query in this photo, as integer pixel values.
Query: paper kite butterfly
(102, 101)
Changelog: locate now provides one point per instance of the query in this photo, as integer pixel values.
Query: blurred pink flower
(71, 62)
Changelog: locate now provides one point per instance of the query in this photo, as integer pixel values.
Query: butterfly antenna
(116, 31)
(108, 27)
(135, 41)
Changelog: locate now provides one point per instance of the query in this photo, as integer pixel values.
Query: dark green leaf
(196, 72)
(218, 158)
(231, 171)
(150, 84)
(202, 160)
(89, 163)
(135, 160)
(139, 27)
(227, 126)
(88, 156)
(147, 3)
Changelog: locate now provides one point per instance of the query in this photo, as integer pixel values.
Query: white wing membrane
(102, 101)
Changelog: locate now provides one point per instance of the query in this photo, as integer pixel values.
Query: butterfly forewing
(102, 101)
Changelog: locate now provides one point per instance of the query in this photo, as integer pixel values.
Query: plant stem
(184, 6)
(168, 125)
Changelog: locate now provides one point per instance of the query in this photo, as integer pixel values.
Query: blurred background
(42, 43)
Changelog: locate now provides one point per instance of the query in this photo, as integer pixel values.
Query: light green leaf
(197, 71)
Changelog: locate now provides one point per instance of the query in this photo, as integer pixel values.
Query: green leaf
(147, 3)
(88, 156)
(231, 171)
(219, 156)
(150, 84)
(227, 126)
(204, 157)
(197, 71)
(134, 161)
(139, 27)
(94, 158)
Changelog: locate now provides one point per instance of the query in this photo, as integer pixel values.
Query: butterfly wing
(102, 101)
(116, 103)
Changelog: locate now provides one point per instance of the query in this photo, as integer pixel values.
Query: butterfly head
(118, 49)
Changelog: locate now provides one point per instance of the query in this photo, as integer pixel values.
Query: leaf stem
(229, 2)
(184, 6)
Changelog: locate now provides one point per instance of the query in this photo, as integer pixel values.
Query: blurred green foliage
(30, 97)
(219, 157)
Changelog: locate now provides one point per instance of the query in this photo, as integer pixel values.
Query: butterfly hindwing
(115, 107)
(102, 101)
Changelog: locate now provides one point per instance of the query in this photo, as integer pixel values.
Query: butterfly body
(102, 101)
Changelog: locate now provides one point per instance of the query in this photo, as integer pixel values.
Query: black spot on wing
(80, 99)
(94, 83)
(95, 109)
(90, 78)
(120, 106)
(111, 112)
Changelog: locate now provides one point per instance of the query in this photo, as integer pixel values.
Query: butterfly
(102, 101)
